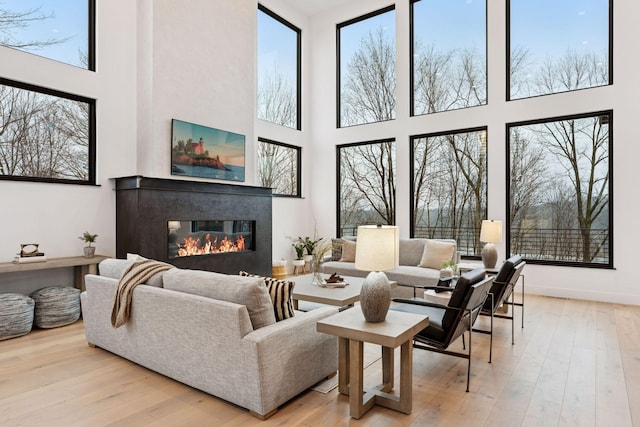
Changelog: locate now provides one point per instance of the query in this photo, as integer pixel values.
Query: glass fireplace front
(193, 238)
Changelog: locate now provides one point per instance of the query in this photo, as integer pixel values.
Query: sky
(582, 25)
(276, 48)
(70, 21)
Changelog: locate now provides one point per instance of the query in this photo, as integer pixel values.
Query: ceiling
(313, 7)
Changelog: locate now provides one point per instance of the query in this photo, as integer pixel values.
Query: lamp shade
(491, 231)
(377, 248)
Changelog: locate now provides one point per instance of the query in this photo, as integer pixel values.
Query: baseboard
(599, 296)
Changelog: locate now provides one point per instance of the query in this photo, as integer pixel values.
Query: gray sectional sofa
(211, 343)
(409, 274)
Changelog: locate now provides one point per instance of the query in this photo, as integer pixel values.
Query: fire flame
(192, 246)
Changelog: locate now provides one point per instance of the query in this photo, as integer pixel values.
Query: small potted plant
(89, 251)
(298, 263)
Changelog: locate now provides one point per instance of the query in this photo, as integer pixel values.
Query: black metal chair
(501, 293)
(449, 322)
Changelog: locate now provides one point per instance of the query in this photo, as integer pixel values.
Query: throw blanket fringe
(137, 273)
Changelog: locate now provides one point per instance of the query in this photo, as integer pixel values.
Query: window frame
(412, 103)
(91, 154)
(339, 26)
(508, 126)
(298, 168)
(298, 32)
(508, 57)
(412, 159)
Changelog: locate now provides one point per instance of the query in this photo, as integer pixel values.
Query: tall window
(279, 167)
(450, 187)
(366, 72)
(58, 30)
(366, 185)
(558, 46)
(279, 67)
(449, 55)
(46, 135)
(559, 190)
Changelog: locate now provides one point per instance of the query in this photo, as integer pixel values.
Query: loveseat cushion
(410, 251)
(115, 268)
(280, 292)
(348, 251)
(248, 291)
(436, 253)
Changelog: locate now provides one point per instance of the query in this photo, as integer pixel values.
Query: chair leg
(464, 347)
(522, 307)
(491, 331)
(469, 360)
(513, 315)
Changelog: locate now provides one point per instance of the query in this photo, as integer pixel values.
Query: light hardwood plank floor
(576, 363)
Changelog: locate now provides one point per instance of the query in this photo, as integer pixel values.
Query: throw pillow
(281, 292)
(436, 253)
(348, 251)
(336, 249)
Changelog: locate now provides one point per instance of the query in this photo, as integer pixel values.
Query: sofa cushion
(348, 251)
(436, 253)
(248, 291)
(411, 251)
(280, 292)
(115, 268)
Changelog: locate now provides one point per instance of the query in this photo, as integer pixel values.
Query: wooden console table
(81, 266)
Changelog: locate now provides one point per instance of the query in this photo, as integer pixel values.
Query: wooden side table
(353, 331)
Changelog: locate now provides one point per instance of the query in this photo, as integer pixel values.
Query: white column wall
(616, 285)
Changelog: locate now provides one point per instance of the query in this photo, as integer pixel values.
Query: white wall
(54, 215)
(614, 285)
(202, 72)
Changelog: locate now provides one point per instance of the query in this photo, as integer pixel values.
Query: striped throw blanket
(137, 273)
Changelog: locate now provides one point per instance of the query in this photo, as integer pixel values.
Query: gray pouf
(16, 315)
(56, 306)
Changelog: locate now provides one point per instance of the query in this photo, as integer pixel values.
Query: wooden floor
(575, 363)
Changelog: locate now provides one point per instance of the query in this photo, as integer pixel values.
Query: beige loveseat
(208, 343)
(420, 262)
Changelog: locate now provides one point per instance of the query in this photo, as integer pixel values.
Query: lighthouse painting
(206, 152)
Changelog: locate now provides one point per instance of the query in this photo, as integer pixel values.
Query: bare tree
(450, 186)
(572, 71)
(11, 20)
(447, 80)
(369, 93)
(368, 181)
(581, 150)
(277, 168)
(42, 136)
(277, 100)
(528, 181)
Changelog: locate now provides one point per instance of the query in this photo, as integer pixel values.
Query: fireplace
(192, 224)
(195, 238)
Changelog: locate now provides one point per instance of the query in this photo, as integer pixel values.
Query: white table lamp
(376, 251)
(490, 233)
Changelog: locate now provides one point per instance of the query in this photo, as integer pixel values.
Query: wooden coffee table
(352, 330)
(306, 291)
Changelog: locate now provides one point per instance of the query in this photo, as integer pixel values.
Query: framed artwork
(205, 152)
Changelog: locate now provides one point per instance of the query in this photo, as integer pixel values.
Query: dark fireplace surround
(144, 207)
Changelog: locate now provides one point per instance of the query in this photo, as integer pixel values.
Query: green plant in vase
(451, 266)
(89, 251)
